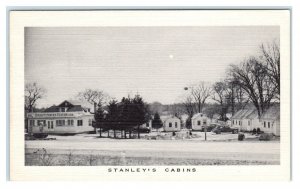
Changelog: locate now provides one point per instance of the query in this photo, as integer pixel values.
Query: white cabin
(199, 121)
(171, 123)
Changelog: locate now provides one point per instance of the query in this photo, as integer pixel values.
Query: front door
(50, 126)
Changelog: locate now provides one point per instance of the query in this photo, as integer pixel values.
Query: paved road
(254, 151)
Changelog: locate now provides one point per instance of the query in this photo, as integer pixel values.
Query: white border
(22, 19)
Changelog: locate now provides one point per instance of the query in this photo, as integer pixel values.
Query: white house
(270, 120)
(200, 120)
(245, 119)
(171, 123)
(66, 118)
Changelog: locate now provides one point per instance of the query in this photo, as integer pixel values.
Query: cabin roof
(71, 107)
(198, 114)
(245, 113)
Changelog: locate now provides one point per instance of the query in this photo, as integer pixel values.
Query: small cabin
(270, 120)
(199, 121)
(171, 124)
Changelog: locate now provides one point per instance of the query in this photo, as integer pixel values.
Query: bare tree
(222, 95)
(189, 105)
(92, 96)
(252, 76)
(271, 60)
(200, 92)
(33, 92)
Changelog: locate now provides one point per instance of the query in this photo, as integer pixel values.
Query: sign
(44, 115)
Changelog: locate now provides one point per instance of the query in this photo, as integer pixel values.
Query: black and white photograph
(196, 95)
(152, 96)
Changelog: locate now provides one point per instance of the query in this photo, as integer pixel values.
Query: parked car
(209, 128)
(142, 130)
(223, 129)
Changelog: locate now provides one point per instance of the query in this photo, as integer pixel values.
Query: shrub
(241, 136)
(254, 131)
(266, 136)
(258, 131)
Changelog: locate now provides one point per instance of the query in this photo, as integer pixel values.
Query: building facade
(270, 120)
(66, 118)
(200, 121)
(247, 119)
(171, 124)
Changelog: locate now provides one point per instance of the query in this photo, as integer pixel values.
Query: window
(48, 124)
(268, 124)
(147, 124)
(60, 122)
(249, 122)
(264, 124)
(31, 122)
(170, 124)
(175, 124)
(41, 122)
(240, 123)
(79, 122)
(90, 122)
(204, 122)
(199, 122)
(70, 122)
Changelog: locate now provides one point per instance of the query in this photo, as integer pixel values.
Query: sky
(155, 62)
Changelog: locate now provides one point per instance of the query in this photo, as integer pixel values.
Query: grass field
(100, 160)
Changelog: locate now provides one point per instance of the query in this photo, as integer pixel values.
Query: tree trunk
(115, 136)
(122, 134)
(108, 133)
(100, 132)
(139, 132)
(130, 134)
(125, 134)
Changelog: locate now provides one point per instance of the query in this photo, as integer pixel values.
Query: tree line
(126, 116)
(255, 80)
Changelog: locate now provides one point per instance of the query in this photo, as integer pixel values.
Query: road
(245, 150)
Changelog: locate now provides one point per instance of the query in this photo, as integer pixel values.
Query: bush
(266, 136)
(40, 135)
(254, 131)
(258, 131)
(241, 137)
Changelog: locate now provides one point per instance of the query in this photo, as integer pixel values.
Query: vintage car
(223, 128)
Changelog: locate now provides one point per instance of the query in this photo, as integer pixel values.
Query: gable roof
(71, 107)
(165, 118)
(76, 108)
(51, 109)
(246, 113)
(198, 114)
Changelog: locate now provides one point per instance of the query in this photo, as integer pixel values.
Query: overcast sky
(156, 62)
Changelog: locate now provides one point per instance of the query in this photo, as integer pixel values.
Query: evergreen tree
(99, 119)
(157, 123)
(140, 112)
(112, 119)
